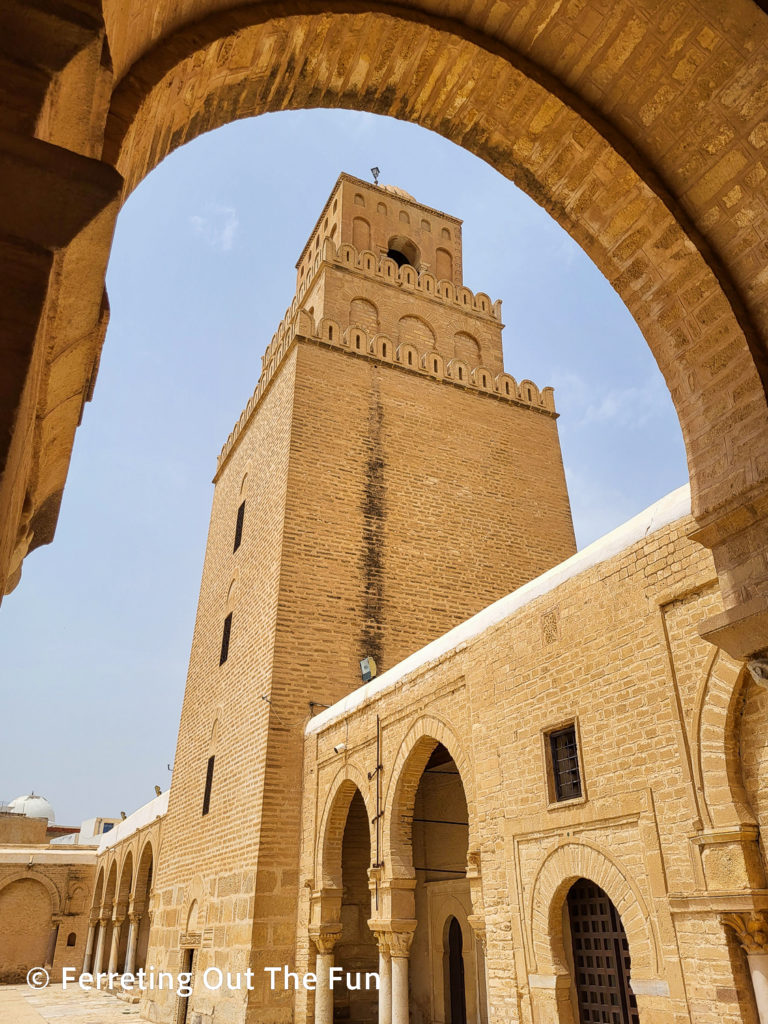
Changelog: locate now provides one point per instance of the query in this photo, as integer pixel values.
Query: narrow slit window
(565, 763)
(208, 785)
(225, 639)
(239, 526)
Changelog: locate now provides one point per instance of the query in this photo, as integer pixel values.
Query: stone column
(477, 924)
(133, 939)
(385, 978)
(97, 960)
(89, 948)
(400, 949)
(324, 940)
(752, 932)
(115, 945)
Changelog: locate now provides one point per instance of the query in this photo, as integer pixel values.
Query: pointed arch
(98, 892)
(125, 885)
(110, 889)
(716, 761)
(560, 868)
(410, 762)
(349, 780)
(145, 872)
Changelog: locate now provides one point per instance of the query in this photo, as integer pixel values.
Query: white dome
(33, 806)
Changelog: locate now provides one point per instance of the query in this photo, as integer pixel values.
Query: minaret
(386, 480)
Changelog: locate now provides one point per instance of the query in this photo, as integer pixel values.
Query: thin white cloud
(635, 405)
(630, 406)
(217, 226)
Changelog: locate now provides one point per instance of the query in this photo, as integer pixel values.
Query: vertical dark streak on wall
(374, 517)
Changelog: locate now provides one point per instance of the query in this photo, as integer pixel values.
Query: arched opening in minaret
(404, 252)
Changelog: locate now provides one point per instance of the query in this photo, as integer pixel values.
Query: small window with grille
(225, 639)
(564, 763)
(239, 526)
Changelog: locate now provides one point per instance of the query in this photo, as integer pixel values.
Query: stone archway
(716, 761)
(669, 229)
(403, 781)
(536, 134)
(142, 892)
(564, 865)
(340, 903)
(121, 910)
(431, 868)
(330, 833)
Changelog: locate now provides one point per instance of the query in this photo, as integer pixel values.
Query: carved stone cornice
(751, 930)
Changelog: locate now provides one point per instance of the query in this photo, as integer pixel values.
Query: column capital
(751, 930)
(400, 943)
(325, 938)
(477, 924)
(393, 937)
(382, 939)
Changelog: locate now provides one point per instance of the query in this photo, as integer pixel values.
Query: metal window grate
(208, 784)
(225, 639)
(565, 763)
(239, 526)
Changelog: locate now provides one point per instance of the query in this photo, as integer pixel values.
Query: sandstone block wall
(614, 650)
(43, 910)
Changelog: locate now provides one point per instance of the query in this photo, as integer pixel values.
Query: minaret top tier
(386, 220)
(379, 262)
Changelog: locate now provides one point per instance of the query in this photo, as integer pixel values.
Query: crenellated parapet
(354, 340)
(385, 270)
(406, 277)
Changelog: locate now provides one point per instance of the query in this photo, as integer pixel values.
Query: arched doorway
(123, 896)
(107, 912)
(600, 956)
(456, 1000)
(356, 951)
(445, 962)
(141, 904)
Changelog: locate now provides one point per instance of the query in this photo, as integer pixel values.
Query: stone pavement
(22, 1005)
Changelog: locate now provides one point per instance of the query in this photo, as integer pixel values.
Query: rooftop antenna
(375, 172)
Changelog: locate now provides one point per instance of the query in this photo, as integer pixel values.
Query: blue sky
(96, 637)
